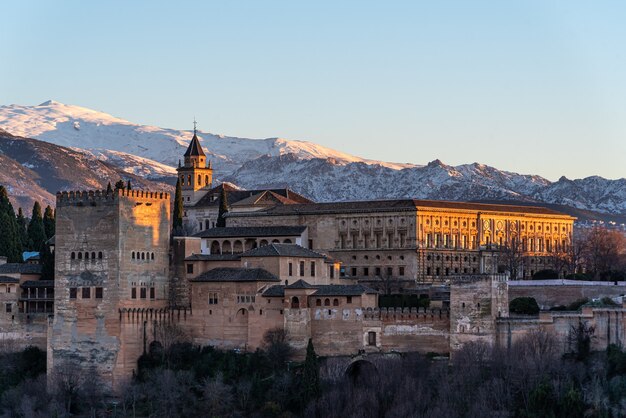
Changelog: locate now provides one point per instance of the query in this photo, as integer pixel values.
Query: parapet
(94, 197)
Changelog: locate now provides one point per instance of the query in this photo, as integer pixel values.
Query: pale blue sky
(537, 87)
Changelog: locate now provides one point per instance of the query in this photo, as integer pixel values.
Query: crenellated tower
(196, 174)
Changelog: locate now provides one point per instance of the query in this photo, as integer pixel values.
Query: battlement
(406, 314)
(95, 197)
(472, 278)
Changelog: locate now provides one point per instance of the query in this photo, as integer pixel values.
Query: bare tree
(512, 256)
(277, 348)
(603, 250)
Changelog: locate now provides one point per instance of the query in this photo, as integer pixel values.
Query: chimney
(3, 260)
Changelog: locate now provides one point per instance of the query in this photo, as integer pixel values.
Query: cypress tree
(310, 375)
(177, 223)
(109, 188)
(46, 259)
(48, 222)
(221, 220)
(22, 225)
(10, 241)
(36, 231)
(128, 185)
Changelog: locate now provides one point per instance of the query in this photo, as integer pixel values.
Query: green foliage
(577, 304)
(579, 340)
(48, 222)
(615, 361)
(10, 239)
(524, 306)
(22, 228)
(109, 188)
(120, 185)
(223, 210)
(546, 275)
(36, 230)
(177, 223)
(403, 301)
(310, 375)
(46, 259)
(128, 186)
(21, 365)
(579, 276)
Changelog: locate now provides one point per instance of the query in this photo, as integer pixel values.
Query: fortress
(315, 270)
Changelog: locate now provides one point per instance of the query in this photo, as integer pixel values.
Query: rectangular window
(152, 293)
(98, 293)
(189, 268)
(133, 293)
(389, 271)
(291, 269)
(428, 271)
(332, 271)
(212, 298)
(349, 299)
(142, 293)
(86, 292)
(371, 338)
(312, 268)
(72, 293)
(310, 244)
(9, 289)
(301, 268)
(366, 271)
(9, 308)
(377, 271)
(401, 271)
(353, 270)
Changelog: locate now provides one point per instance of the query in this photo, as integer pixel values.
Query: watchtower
(196, 174)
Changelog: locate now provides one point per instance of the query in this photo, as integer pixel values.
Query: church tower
(195, 175)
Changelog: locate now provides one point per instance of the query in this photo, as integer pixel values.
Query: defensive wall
(550, 293)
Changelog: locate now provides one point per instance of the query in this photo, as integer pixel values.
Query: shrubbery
(546, 275)
(524, 305)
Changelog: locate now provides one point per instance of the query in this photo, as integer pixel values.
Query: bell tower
(195, 175)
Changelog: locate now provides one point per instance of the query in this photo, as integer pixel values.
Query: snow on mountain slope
(75, 126)
(323, 180)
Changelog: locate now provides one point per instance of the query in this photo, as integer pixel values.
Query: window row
(447, 271)
(143, 293)
(243, 298)
(301, 269)
(79, 255)
(450, 241)
(86, 292)
(377, 240)
(448, 258)
(207, 181)
(141, 256)
(318, 302)
(389, 271)
(389, 257)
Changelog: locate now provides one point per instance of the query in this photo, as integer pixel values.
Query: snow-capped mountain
(75, 126)
(315, 171)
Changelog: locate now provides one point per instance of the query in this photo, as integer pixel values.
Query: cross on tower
(194, 125)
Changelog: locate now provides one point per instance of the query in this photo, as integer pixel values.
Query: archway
(215, 247)
(295, 303)
(362, 373)
(263, 242)
(237, 247)
(226, 247)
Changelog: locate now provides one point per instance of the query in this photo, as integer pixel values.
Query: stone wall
(549, 293)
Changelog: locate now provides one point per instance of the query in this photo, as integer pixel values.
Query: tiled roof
(234, 195)
(7, 279)
(300, 284)
(236, 274)
(274, 291)
(282, 250)
(23, 268)
(343, 290)
(324, 290)
(398, 205)
(38, 283)
(213, 257)
(194, 149)
(251, 231)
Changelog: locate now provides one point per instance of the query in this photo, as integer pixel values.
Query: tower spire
(194, 125)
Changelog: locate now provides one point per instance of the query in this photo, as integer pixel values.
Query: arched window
(335, 302)
(143, 256)
(93, 255)
(152, 256)
(318, 302)
(73, 256)
(199, 180)
(295, 303)
(287, 241)
(80, 256)
(326, 302)
(86, 256)
(132, 255)
(189, 180)
(100, 255)
(182, 180)
(206, 180)
(207, 224)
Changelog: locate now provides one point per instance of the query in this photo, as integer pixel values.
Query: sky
(535, 87)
